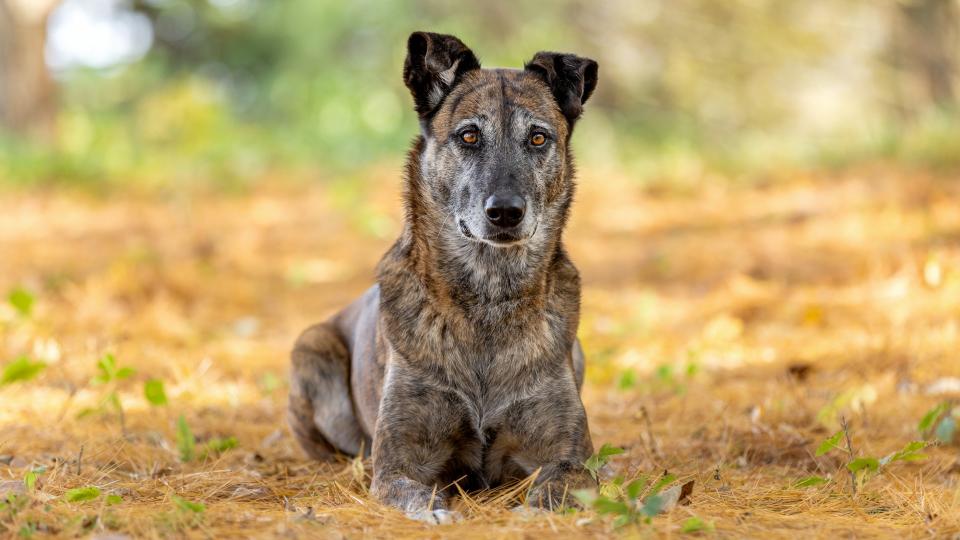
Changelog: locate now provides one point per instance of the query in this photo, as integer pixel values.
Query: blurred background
(228, 92)
(767, 226)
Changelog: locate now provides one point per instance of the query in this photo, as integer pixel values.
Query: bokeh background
(181, 92)
(767, 226)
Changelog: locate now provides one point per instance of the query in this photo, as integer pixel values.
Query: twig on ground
(846, 433)
(652, 442)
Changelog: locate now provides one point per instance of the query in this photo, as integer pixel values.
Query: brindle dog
(463, 363)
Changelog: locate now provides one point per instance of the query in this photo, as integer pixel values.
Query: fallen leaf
(675, 496)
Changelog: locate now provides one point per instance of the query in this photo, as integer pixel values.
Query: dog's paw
(553, 497)
(436, 517)
(529, 512)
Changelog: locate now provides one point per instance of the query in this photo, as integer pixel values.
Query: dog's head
(494, 161)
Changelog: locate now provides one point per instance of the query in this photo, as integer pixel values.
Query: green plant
(33, 475)
(154, 392)
(633, 502)
(186, 443)
(82, 494)
(594, 463)
(22, 301)
(810, 481)
(695, 525)
(940, 422)
(20, 370)
(862, 468)
(218, 445)
(109, 375)
(187, 512)
(188, 506)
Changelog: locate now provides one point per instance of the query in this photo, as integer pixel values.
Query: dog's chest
(490, 377)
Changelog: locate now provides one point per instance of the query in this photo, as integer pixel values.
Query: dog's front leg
(554, 438)
(416, 431)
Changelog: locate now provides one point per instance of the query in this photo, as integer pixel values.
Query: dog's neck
(470, 273)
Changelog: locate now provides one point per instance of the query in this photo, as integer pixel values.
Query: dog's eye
(470, 136)
(538, 139)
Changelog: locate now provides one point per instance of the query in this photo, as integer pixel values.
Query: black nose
(505, 210)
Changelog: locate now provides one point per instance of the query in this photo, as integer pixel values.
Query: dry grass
(854, 281)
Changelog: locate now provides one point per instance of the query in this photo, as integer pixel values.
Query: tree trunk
(28, 102)
(926, 51)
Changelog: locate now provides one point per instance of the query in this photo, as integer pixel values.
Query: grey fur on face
(462, 362)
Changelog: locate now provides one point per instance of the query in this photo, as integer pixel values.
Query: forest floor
(727, 329)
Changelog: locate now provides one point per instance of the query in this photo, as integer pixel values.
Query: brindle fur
(462, 362)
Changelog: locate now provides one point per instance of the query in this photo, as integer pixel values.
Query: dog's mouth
(498, 239)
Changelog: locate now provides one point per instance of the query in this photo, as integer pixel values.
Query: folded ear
(434, 65)
(571, 78)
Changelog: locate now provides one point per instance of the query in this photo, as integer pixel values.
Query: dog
(462, 363)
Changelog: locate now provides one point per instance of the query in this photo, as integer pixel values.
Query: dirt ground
(727, 330)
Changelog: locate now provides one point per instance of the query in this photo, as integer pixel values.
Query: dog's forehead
(497, 94)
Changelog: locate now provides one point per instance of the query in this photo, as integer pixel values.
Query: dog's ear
(434, 65)
(571, 78)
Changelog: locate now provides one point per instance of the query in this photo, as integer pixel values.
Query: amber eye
(470, 137)
(537, 139)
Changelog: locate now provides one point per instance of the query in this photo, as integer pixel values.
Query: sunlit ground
(742, 322)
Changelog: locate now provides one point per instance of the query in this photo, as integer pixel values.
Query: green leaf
(608, 450)
(664, 481)
(636, 487)
(22, 301)
(665, 373)
(931, 417)
(219, 445)
(622, 520)
(628, 379)
(185, 440)
(910, 452)
(810, 481)
(585, 496)
(864, 463)
(30, 480)
(124, 373)
(652, 506)
(107, 366)
(695, 525)
(188, 506)
(594, 463)
(21, 369)
(114, 500)
(154, 392)
(82, 494)
(604, 505)
(946, 429)
(830, 443)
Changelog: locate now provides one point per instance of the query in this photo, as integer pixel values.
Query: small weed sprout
(940, 422)
(109, 375)
(596, 462)
(861, 468)
(186, 443)
(631, 502)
